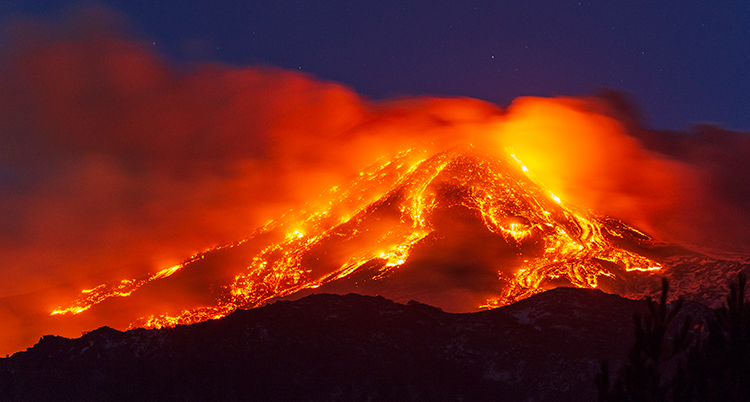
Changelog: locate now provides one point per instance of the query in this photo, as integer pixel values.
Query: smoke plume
(113, 158)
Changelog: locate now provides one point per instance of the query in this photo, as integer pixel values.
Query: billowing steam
(115, 163)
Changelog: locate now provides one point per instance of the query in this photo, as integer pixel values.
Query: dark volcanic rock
(341, 348)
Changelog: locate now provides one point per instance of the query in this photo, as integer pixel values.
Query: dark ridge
(328, 347)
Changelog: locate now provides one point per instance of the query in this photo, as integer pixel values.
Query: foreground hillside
(336, 348)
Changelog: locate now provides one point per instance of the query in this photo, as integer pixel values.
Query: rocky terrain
(329, 347)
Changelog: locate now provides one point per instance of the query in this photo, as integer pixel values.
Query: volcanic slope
(461, 230)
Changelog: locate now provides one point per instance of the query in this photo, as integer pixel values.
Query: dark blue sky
(682, 61)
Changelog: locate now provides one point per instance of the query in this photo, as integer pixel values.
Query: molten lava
(374, 223)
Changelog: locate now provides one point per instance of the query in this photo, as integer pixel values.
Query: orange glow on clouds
(588, 159)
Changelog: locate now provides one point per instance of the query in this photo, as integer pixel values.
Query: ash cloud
(717, 210)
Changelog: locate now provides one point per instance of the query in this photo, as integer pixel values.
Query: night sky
(682, 62)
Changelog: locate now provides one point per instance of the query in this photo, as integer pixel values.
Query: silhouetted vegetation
(717, 367)
(703, 362)
(640, 378)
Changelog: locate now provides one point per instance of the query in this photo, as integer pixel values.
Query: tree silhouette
(713, 360)
(640, 378)
(716, 367)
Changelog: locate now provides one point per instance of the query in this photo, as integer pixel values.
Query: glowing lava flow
(282, 269)
(573, 243)
(124, 288)
(387, 210)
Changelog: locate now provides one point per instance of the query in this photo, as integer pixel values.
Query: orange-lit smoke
(682, 187)
(115, 163)
(588, 159)
(116, 159)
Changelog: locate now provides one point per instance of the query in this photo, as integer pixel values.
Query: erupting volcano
(448, 212)
(150, 187)
(461, 229)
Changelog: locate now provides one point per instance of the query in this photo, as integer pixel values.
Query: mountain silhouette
(346, 348)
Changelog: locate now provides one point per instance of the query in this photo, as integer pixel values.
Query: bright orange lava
(511, 202)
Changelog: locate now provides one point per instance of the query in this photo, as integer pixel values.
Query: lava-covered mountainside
(462, 230)
(328, 347)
